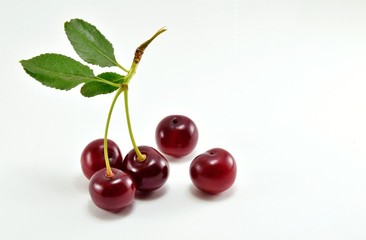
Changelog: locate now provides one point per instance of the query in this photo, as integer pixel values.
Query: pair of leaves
(64, 73)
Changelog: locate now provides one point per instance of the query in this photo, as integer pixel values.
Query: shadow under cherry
(106, 215)
(148, 196)
(211, 197)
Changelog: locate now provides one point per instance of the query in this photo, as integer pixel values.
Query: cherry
(176, 135)
(148, 174)
(112, 193)
(92, 157)
(213, 171)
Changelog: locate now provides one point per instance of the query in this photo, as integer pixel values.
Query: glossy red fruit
(176, 135)
(112, 193)
(213, 171)
(92, 157)
(149, 174)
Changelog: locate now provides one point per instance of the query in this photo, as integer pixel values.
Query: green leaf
(57, 71)
(92, 89)
(89, 43)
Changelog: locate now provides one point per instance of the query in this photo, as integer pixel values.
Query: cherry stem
(138, 55)
(140, 157)
(109, 172)
(143, 46)
(124, 88)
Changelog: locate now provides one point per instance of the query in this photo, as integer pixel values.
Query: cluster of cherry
(213, 171)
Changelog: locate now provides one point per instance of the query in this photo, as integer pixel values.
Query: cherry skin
(213, 171)
(176, 135)
(92, 157)
(149, 174)
(112, 193)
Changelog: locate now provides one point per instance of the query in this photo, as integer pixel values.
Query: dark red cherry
(176, 135)
(213, 171)
(149, 174)
(92, 157)
(112, 193)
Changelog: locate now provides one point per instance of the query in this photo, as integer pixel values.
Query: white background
(278, 83)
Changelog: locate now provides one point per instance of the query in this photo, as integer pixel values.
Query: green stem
(143, 46)
(109, 172)
(130, 73)
(140, 157)
(124, 88)
(101, 80)
(120, 66)
(138, 54)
